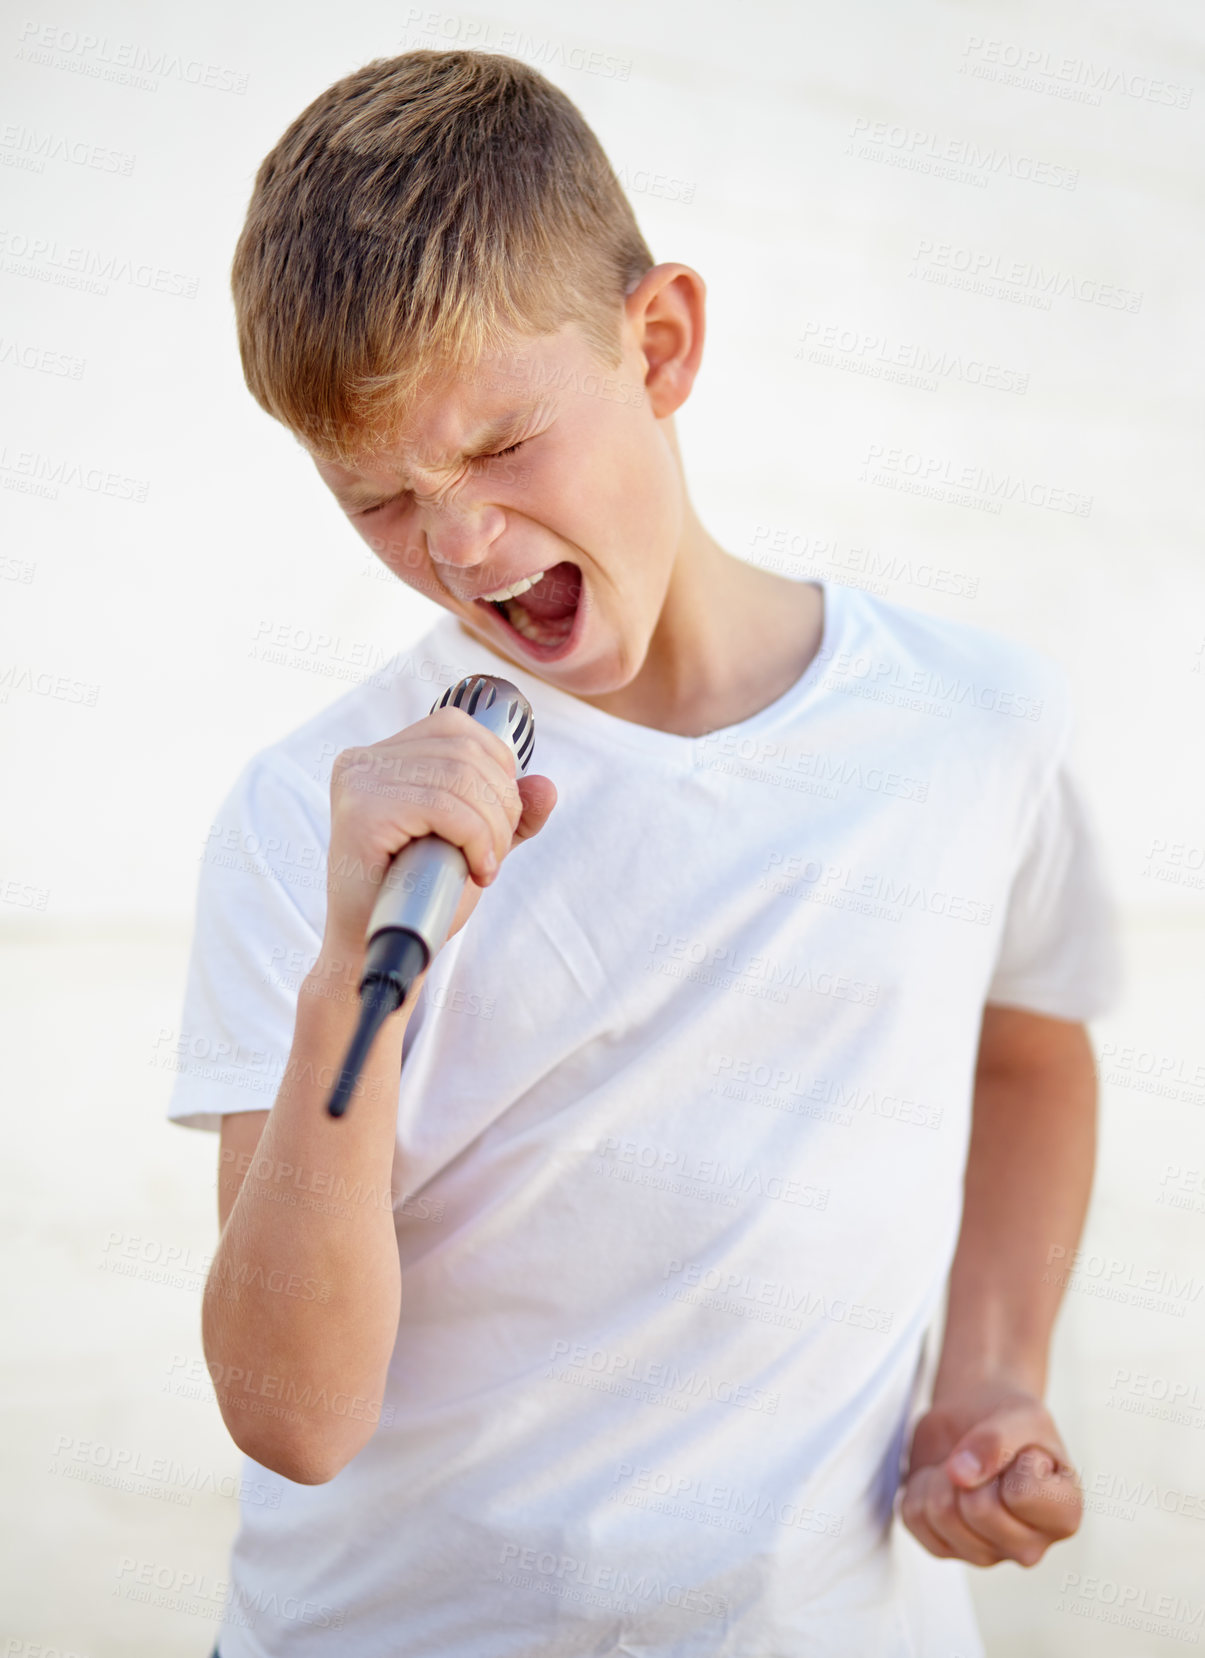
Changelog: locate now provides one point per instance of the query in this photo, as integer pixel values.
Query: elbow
(300, 1457)
(301, 1464)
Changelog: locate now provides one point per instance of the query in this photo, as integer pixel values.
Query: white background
(131, 691)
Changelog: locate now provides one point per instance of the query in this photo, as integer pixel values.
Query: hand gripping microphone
(423, 883)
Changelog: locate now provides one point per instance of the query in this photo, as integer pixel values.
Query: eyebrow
(359, 496)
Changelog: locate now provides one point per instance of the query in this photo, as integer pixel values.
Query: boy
(603, 1332)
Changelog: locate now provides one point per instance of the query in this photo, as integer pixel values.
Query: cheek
(611, 483)
(642, 512)
(387, 538)
(398, 547)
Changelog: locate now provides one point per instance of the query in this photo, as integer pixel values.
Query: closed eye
(494, 455)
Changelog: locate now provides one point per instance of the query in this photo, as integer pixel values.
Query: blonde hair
(421, 212)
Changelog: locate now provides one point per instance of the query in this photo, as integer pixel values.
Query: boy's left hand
(989, 1478)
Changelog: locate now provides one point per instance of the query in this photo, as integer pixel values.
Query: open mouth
(545, 616)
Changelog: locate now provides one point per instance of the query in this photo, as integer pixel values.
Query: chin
(600, 674)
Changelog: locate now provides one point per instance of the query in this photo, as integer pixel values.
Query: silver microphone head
(500, 706)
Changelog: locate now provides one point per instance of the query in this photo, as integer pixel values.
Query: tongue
(555, 596)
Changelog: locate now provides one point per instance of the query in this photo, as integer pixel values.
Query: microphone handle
(409, 923)
(420, 891)
(413, 912)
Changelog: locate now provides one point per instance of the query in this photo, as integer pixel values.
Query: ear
(666, 315)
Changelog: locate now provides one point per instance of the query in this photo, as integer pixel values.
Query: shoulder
(983, 677)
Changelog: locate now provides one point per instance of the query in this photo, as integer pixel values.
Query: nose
(460, 533)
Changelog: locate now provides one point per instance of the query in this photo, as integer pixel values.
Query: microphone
(423, 883)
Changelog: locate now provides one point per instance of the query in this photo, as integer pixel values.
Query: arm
(1028, 1180)
(301, 1306)
(969, 1492)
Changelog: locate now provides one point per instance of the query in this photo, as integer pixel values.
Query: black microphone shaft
(395, 959)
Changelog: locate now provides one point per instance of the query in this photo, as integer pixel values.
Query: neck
(730, 639)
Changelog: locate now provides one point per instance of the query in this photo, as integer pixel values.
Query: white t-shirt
(681, 1129)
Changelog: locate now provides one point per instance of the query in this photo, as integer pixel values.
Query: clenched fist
(446, 775)
(989, 1479)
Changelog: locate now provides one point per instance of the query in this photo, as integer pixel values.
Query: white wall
(130, 691)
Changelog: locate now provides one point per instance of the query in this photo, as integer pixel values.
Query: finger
(912, 1513)
(428, 780)
(477, 835)
(1043, 1494)
(457, 722)
(539, 797)
(526, 804)
(984, 1513)
(451, 762)
(476, 778)
(991, 1445)
(455, 820)
(940, 1506)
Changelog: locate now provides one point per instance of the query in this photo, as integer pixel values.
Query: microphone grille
(499, 705)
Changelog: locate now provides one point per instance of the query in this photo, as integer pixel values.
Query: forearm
(1028, 1181)
(303, 1297)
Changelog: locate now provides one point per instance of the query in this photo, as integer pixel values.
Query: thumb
(539, 796)
(988, 1448)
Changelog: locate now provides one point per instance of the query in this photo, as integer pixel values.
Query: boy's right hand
(447, 775)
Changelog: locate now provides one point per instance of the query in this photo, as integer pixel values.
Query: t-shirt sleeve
(260, 912)
(1059, 952)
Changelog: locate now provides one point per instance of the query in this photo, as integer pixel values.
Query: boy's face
(540, 461)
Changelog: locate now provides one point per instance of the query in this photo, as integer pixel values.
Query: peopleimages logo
(621, 1592)
(124, 1466)
(1131, 1606)
(768, 1300)
(1112, 1278)
(712, 1172)
(872, 354)
(689, 1494)
(187, 1590)
(664, 1376)
(31, 149)
(887, 679)
(923, 473)
(785, 765)
(962, 160)
(42, 258)
(50, 473)
(793, 1089)
(796, 876)
(1024, 281)
(124, 62)
(1176, 1399)
(433, 27)
(1079, 80)
(730, 968)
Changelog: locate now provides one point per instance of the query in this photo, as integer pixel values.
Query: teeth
(540, 633)
(515, 587)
